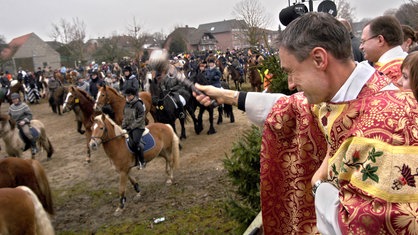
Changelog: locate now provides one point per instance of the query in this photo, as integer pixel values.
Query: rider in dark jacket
(134, 123)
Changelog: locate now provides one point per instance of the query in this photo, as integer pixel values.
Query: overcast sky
(104, 18)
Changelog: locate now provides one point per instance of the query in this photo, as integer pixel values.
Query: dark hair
(316, 29)
(130, 91)
(389, 27)
(408, 32)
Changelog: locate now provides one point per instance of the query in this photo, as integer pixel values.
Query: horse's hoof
(169, 182)
(211, 131)
(87, 161)
(118, 212)
(81, 132)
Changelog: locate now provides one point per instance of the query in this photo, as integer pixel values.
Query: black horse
(226, 109)
(164, 101)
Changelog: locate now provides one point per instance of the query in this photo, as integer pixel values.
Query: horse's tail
(46, 143)
(175, 147)
(43, 183)
(43, 223)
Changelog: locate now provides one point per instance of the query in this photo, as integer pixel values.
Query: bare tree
(72, 35)
(345, 11)
(408, 14)
(253, 14)
(137, 39)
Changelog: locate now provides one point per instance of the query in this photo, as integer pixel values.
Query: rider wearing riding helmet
(21, 113)
(134, 123)
(130, 80)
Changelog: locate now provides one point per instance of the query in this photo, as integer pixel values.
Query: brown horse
(27, 172)
(109, 96)
(15, 145)
(254, 75)
(85, 102)
(22, 213)
(15, 87)
(57, 99)
(106, 132)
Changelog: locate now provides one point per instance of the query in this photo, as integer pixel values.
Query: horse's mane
(114, 91)
(84, 94)
(117, 128)
(6, 117)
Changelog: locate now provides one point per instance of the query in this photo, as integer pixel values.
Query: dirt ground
(85, 195)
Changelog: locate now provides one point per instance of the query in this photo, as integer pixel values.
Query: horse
(163, 100)
(235, 76)
(15, 87)
(109, 96)
(254, 75)
(57, 99)
(22, 213)
(15, 144)
(30, 173)
(165, 143)
(85, 102)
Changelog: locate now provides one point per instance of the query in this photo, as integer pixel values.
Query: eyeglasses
(363, 41)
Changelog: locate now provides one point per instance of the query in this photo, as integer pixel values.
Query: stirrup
(34, 151)
(141, 166)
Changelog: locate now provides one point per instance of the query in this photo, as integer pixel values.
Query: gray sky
(104, 18)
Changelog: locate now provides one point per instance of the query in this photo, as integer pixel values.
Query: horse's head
(102, 98)
(98, 131)
(70, 100)
(103, 130)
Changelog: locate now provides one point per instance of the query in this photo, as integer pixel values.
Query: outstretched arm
(222, 96)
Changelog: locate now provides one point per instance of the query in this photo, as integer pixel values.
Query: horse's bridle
(102, 139)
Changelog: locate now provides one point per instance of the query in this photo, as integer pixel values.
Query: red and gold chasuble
(391, 69)
(292, 149)
(374, 147)
(374, 144)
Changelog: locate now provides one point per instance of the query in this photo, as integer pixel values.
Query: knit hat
(15, 96)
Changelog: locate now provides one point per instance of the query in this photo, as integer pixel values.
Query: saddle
(25, 139)
(147, 139)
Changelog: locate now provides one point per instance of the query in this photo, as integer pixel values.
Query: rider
(134, 123)
(213, 75)
(177, 90)
(130, 80)
(21, 113)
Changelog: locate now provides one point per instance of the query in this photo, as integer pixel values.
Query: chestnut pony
(28, 172)
(80, 98)
(109, 96)
(107, 133)
(27, 208)
(22, 213)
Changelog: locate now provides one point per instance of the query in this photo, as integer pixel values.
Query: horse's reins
(102, 137)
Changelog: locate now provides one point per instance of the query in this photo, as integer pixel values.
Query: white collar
(352, 87)
(394, 53)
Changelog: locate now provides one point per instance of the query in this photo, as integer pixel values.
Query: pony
(85, 102)
(235, 76)
(30, 173)
(107, 133)
(57, 99)
(199, 78)
(254, 75)
(15, 144)
(22, 213)
(15, 87)
(109, 96)
(162, 99)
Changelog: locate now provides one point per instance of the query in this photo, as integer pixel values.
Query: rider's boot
(180, 110)
(34, 147)
(140, 161)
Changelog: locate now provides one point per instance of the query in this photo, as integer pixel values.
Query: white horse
(15, 146)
